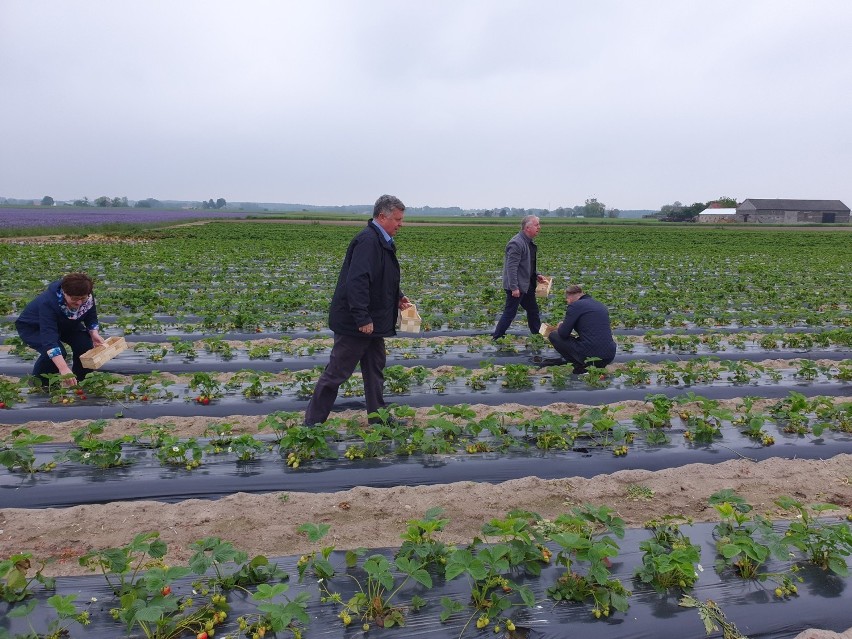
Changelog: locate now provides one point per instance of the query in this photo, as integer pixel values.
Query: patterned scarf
(84, 307)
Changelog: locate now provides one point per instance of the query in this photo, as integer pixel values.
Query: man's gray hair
(573, 289)
(527, 221)
(385, 204)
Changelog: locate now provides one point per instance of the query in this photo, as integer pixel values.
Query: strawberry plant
(246, 447)
(147, 387)
(420, 542)
(122, 567)
(585, 542)
(637, 372)
(19, 348)
(99, 384)
(11, 392)
(746, 541)
(824, 544)
(669, 559)
(516, 376)
(317, 561)
(17, 452)
(186, 349)
(601, 427)
(304, 443)
(66, 615)
(174, 451)
(251, 384)
(595, 376)
(156, 352)
(807, 369)
(491, 591)
(275, 616)
(15, 581)
(551, 431)
(280, 422)
(377, 589)
(220, 436)
(206, 386)
(153, 435)
(212, 553)
(218, 346)
(101, 453)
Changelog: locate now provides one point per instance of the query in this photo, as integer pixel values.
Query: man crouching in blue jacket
(590, 320)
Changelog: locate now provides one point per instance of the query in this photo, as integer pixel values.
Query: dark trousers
(528, 302)
(77, 337)
(346, 354)
(575, 353)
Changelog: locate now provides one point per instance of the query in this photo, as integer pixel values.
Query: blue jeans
(528, 302)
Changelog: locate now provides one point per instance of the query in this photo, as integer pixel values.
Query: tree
(220, 203)
(83, 202)
(594, 208)
(723, 202)
(47, 201)
(613, 213)
(102, 201)
(119, 201)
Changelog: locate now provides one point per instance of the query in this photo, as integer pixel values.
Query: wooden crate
(542, 289)
(546, 329)
(100, 355)
(409, 320)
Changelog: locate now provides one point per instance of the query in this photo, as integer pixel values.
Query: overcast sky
(477, 104)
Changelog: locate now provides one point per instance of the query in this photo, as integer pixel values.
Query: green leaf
(150, 614)
(64, 606)
(838, 566)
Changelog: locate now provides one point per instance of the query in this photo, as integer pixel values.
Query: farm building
(792, 211)
(714, 216)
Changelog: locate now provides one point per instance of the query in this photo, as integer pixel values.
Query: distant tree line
(147, 203)
(677, 212)
(592, 208)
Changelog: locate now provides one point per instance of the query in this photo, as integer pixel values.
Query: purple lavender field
(12, 217)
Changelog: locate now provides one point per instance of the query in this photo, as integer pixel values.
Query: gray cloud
(469, 103)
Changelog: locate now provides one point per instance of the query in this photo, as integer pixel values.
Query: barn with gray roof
(792, 212)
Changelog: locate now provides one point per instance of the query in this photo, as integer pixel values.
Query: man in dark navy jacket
(363, 311)
(590, 320)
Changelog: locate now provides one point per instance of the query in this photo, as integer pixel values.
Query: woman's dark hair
(77, 284)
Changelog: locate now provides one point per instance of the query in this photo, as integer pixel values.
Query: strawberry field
(733, 345)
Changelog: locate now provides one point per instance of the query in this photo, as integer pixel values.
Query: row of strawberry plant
(151, 597)
(446, 430)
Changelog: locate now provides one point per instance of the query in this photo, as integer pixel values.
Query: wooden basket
(409, 320)
(542, 289)
(546, 329)
(100, 355)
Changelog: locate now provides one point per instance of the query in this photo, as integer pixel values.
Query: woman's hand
(97, 340)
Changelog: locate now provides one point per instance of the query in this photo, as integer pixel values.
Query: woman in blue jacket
(65, 312)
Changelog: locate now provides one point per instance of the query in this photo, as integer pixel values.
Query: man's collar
(384, 233)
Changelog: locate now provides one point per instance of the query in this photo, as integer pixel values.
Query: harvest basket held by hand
(409, 320)
(100, 355)
(546, 329)
(542, 289)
